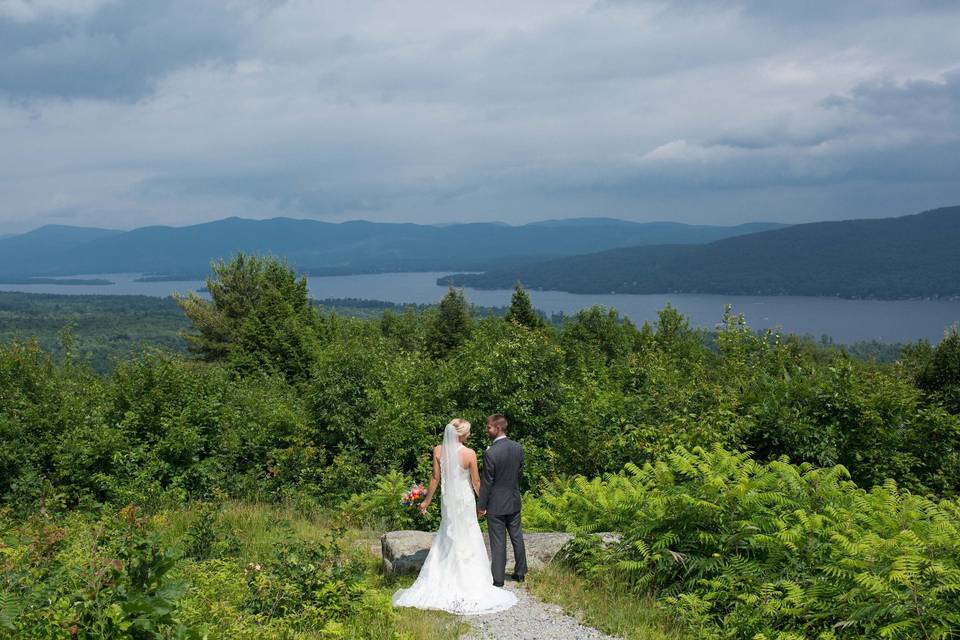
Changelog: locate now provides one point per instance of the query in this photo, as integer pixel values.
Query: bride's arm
(474, 472)
(434, 481)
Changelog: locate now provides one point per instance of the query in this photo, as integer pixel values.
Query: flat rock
(405, 551)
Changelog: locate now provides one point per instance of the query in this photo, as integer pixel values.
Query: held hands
(481, 513)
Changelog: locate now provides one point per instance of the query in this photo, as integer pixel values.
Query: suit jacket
(500, 481)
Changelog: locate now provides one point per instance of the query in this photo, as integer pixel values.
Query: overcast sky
(125, 113)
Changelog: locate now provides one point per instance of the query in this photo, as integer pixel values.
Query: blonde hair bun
(460, 426)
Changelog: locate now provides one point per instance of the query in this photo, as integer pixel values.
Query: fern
(10, 609)
(741, 549)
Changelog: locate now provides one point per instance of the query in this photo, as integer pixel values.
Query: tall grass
(605, 605)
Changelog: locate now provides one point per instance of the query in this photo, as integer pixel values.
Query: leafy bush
(282, 577)
(741, 549)
(120, 586)
(207, 537)
(53, 435)
(313, 583)
(160, 428)
(940, 372)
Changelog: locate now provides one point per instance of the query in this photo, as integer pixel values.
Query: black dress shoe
(517, 577)
(498, 584)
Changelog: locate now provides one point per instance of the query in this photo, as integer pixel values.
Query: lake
(844, 320)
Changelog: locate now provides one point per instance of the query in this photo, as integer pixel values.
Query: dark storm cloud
(121, 113)
(116, 50)
(925, 102)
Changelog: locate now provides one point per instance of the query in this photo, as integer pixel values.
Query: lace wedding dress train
(456, 574)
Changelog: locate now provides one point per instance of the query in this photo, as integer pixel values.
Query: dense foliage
(211, 571)
(290, 399)
(740, 549)
(285, 402)
(938, 370)
(451, 326)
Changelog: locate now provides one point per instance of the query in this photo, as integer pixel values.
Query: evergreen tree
(233, 290)
(259, 317)
(451, 325)
(522, 311)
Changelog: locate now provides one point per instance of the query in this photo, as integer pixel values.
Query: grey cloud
(432, 111)
(278, 191)
(121, 49)
(920, 100)
(809, 12)
(891, 131)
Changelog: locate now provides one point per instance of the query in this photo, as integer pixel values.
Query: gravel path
(530, 619)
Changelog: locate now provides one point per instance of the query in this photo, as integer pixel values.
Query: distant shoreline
(317, 272)
(456, 280)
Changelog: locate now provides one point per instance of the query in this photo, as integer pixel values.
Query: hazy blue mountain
(58, 235)
(910, 256)
(589, 222)
(20, 254)
(322, 247)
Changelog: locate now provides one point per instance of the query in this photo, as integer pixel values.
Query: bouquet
(411, 499)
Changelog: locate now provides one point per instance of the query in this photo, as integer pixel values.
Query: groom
(500, 499)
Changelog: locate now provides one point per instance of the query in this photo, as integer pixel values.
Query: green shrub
(54, 439)
(207, 537)
(344, 476)
(116, 584)
(313, 583)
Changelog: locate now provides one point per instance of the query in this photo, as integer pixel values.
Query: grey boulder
(405, 551)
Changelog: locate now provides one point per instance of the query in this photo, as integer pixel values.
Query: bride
(456, 575)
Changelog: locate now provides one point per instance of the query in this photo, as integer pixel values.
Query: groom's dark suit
(500, 498)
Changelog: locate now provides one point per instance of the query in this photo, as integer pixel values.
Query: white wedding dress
(456, 574)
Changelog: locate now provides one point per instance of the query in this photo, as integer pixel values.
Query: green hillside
(905, 257)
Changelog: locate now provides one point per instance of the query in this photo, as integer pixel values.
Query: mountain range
(317, 247)
(914, 256)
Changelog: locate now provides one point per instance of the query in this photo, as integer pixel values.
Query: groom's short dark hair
(499, 421)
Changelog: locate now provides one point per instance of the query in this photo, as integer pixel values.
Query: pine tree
(259, 317)
(233, 289)
(522, 311)
(451, 325)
